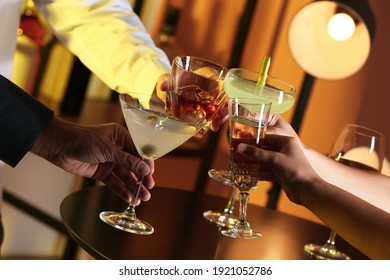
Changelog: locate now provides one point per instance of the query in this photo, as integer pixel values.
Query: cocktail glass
(195, 90)
(155, 133)
(248, 118)
(242, 83)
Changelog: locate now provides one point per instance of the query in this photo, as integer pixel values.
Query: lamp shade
(320, 52)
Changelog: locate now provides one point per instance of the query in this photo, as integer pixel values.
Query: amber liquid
(193, 105)
(244, 171)
(355, 164)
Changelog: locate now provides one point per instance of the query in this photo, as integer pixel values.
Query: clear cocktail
(155, 133)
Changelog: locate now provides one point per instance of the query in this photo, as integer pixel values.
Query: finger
(128, 163)
(132, 163)
(144, 194)
(126, 191)
(218, 120)
(103, 171)
(162, 83)
(260, 155)
(130, 182)
(274, 141)
(150, 163)
(118, 187)
(215, 124)
(148, 182)
(272, 120)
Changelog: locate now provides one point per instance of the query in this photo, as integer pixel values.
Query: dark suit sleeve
(22, 119)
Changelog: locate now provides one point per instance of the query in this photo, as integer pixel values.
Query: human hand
(278, 125)
(282, 160)
(102, 152)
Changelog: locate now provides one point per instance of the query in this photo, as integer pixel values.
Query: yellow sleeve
(109, 38)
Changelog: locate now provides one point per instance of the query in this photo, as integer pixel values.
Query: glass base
(223, 177)
(324, 252)
(221, 219)
(126, 223)
(240, 231)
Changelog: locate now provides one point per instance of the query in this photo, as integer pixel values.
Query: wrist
(312, 192)
(44, 142)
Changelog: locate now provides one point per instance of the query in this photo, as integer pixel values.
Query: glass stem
(130, 211)
(244, 198)
(331, 243)
(230, 205)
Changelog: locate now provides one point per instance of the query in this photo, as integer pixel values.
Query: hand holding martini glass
(154, 133)
(159, 124)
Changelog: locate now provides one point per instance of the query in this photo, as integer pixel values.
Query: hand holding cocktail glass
(248, 119)
(154, 133)
(162, 122)
(195, 91)
(242, 83)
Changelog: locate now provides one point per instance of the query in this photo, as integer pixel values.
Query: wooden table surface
(181, 232)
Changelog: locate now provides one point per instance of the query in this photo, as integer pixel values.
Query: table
(181, 232)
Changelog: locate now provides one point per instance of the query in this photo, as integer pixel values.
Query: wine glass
(155, 133)
(247, 124)
(242, 83)
(358, 147)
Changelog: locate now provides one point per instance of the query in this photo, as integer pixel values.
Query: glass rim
(364, 130)
(291, 91)
(249, 100)
(141, 101)
(207, 61)
(134, 95)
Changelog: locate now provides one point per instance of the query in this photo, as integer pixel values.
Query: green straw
(264, 71)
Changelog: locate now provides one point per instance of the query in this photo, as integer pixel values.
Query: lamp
(330, 40)
(315, 43)
(319, 52)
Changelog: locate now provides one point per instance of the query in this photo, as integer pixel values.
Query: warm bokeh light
(341, 27)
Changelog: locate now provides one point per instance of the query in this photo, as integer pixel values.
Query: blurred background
(234, 33)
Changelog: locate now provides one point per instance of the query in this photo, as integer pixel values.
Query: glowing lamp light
(341, 27)
(330, 40)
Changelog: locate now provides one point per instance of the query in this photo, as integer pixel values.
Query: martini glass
(358, 147)
(242, 83)
(155, 133)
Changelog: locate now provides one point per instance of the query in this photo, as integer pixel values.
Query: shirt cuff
(22, 119)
